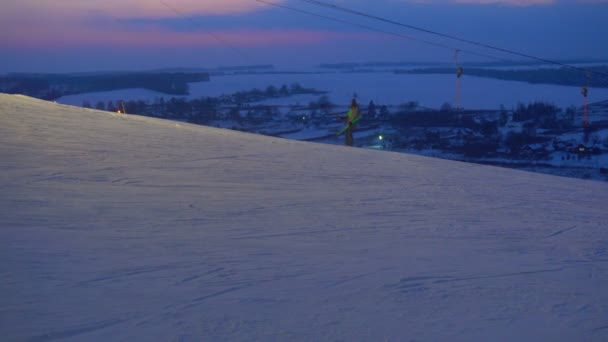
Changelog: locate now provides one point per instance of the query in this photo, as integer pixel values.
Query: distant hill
(53, 86)
(560, 76)
(515, 63)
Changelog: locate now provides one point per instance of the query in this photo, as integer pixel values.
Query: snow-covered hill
(121, 228)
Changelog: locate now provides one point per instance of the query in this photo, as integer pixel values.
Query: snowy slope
(122, 228)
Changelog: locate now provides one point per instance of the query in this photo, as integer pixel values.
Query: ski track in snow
(118, 227)
(561, 232)
(62, 335)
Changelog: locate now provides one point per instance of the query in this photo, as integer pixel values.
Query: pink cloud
(508, 2)
(30, 23)
(75, 23)
(131, 8)
(501, 2)
(488, 2)
(151, 36)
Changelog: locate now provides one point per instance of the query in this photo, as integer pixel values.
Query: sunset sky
(76, 35)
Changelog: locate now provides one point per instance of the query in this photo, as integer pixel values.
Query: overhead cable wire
(379, 30)
(367, 15)
(195, 23)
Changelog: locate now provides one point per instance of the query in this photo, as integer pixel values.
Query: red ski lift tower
(459, 72)
(585, 108)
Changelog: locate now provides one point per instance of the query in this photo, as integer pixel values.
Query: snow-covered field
(123, 228)
(383, 88)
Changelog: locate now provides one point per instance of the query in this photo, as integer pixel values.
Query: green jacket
(353, 115)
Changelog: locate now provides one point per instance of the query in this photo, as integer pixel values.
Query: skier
(351, 118)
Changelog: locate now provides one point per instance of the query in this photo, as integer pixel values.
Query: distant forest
(494, 64)
(561, 76)
(54, 86)
(238, 107)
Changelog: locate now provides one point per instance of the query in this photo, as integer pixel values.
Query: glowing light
(380, 137)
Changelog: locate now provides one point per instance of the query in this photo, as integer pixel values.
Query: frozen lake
(383, 88)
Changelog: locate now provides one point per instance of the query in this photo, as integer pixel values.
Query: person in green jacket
(352, 117)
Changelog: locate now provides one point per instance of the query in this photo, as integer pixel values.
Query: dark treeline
(561, 76)
(475, 134)
(341, 66)
(246, 67)
(529, 63)
(236, 107)
(539, 114)
(53, 86)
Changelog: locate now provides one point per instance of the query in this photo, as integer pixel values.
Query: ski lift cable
(367, 15)
(380, 30)
(195, 23)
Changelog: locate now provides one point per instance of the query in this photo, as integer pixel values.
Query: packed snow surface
(125, 228)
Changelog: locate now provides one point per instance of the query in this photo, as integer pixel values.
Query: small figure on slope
(352, 117)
